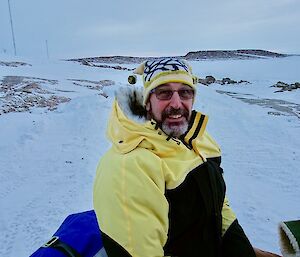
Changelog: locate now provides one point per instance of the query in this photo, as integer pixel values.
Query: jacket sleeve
(130, 205)
(235, 243)
(228, 216)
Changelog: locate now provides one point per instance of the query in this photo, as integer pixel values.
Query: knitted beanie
(162, 71)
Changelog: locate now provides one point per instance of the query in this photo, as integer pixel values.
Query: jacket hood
(128, 129)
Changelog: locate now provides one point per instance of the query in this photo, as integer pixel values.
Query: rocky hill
(232, 54)
(197, 55)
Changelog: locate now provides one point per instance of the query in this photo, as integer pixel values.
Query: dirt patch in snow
(280, 107)
(94, 85)
(14, 64)
(19, 94)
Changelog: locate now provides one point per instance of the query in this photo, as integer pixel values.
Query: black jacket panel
(195, 213)
(235, 242)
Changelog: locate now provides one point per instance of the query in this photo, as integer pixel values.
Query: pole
(12, 28)
(47, 49)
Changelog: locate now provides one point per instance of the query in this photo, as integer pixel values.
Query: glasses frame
(179, 91)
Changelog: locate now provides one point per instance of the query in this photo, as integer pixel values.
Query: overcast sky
(84, 28)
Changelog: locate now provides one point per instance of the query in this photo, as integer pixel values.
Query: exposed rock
(286, 87)
(95, 85)
(280, 84)
(32, 88)
(280, 107)
(225, 81)
(228, 81)
(21, 80)
(52, 102)
(93, 63)
(232, 54)
(14, 64)
(262, 53)
(207, 81)
(210, 79)
(19, 94)
(244, 82)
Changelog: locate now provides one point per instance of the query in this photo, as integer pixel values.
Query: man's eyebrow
(166, 87)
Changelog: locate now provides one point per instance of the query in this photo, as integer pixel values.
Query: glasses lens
(186, 93)
(164, 94)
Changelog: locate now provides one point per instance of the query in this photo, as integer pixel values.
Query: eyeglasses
(166, 94)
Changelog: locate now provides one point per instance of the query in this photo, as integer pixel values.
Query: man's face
(173, 114)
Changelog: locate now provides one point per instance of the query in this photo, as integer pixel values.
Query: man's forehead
(174, 85)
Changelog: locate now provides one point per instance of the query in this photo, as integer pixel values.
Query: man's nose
(175, 101)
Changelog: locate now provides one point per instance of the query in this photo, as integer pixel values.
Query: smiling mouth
(175, 119)
(177, 116)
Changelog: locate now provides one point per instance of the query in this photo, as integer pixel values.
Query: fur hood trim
(130, 100)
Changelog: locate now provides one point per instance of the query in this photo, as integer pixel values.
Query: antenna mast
(12, 28)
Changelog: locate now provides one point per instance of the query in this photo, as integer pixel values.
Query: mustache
(172, 111)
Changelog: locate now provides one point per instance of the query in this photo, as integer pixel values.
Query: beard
(175, 128)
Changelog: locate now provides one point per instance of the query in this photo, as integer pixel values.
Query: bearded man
(159, 191)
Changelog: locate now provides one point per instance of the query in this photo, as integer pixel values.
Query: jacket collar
(130, 100)
(195, 130)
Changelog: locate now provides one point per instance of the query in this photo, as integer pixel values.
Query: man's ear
(148, 106)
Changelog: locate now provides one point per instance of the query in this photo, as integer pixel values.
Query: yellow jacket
(132, 177)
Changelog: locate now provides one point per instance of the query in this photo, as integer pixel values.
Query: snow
(48, 158)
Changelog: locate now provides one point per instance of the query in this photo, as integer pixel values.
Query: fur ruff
(130, 100)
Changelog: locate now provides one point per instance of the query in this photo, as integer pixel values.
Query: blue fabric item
(81, 232)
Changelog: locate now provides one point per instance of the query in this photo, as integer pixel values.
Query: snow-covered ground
(48, 158)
